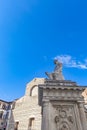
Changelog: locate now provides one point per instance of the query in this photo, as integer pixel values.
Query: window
(7, 114)
(31, 124)
(34, 91)
(16, 125)
(1, 123)
(4, 106)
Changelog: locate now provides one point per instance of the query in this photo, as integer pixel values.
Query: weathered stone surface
(62, 106)
(27, 107)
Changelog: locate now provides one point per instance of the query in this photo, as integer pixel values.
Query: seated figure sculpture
(57, 74)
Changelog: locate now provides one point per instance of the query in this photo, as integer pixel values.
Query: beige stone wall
(27, 107)
(84, 94)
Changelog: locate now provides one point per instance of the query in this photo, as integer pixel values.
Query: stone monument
(62, 103)
(57, 74)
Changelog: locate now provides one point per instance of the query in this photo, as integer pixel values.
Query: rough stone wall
(27, 107)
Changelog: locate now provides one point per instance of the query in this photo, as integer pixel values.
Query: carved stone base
(62, 105)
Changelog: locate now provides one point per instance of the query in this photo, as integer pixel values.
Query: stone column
(45, 115)
(82, 115)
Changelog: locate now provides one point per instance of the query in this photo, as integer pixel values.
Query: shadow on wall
(12, 124)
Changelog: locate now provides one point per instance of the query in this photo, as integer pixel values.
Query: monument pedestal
(62, 105)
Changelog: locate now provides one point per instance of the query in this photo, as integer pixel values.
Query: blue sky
(32, 34)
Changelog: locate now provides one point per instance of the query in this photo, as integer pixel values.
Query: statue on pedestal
(57, 74)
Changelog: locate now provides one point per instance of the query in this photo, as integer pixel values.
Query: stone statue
(57, 74)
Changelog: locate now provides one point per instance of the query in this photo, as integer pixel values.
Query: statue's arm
(49, 75)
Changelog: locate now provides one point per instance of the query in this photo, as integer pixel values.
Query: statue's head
(55, 61)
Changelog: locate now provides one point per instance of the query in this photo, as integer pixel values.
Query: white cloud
(69, 61)
(83, 66)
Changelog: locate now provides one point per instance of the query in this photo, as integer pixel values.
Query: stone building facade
(27, 112)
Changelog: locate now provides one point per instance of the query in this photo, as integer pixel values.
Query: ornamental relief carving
(64, 126)
(63, 117)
